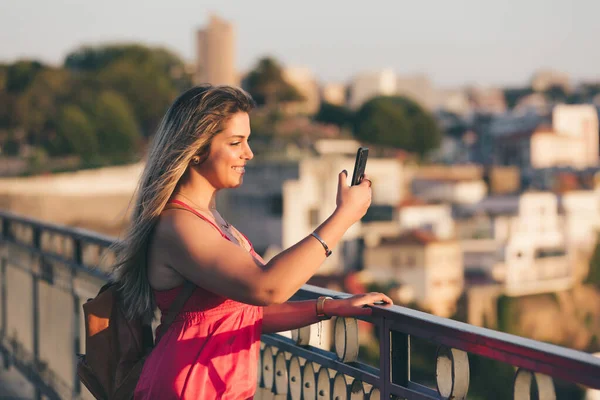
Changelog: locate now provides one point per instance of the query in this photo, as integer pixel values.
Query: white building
(528, 140)
(283, 201)
(436, 218)
(334, 93)
(367, 85)
(531, 255)
(418, 88)
(579, 121)
(305, 82)
(453, 191)
(430, 267)
(545, 79)
(581, 211)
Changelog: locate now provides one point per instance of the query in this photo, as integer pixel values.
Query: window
(276, 205)
(379, 213)
(546, 253)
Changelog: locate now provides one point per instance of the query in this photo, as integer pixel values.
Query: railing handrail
(544, 357)
(77, 233)
(568, 364)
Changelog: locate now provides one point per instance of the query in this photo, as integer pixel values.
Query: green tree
(148, 78)
(116, 127)
(36, 108)
(397, 122)
(20, 74)
(334, 114)
(75, 133)
(513, 95)
(556, 94)
(267, 85)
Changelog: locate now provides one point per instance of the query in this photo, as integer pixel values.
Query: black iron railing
(48, 271)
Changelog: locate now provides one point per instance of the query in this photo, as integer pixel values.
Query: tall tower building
(215, 50)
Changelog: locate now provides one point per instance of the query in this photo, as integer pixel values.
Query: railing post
(3, 287)
(3, 300)
(36, 309)
(78, 259)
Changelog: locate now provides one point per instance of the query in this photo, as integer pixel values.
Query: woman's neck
(200, 193)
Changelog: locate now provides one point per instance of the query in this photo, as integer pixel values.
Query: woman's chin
(236, 183)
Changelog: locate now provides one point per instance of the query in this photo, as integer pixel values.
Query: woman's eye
(235, 143)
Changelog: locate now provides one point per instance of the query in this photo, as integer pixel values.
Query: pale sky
(454, 42)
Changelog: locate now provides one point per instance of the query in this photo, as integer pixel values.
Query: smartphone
(359, 165)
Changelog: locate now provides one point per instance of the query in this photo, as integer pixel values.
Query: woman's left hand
(355, 306)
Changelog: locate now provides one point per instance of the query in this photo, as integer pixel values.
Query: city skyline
(456, 44)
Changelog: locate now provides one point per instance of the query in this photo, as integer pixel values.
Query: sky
(454, 42)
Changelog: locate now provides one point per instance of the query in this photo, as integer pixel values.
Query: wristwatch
(321, 307)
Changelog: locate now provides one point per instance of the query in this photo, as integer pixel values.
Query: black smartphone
(359, 165)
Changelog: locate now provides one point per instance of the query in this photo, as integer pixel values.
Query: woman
(211, 350)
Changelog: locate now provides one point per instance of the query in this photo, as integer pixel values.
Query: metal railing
(48, 271)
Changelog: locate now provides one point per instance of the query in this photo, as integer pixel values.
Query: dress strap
(196, 213)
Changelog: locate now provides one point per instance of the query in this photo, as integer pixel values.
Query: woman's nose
(249, 155)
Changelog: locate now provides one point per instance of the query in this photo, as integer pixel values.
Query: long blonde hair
(186, 130)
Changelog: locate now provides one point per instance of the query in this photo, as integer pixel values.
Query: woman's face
(229, 152)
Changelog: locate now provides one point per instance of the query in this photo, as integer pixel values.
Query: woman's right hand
(353, 201)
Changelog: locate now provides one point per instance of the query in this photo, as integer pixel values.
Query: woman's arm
(201, 255)
(296, 314)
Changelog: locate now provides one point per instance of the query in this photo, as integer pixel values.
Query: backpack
(116, 347)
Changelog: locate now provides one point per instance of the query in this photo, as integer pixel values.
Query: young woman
(176, 235)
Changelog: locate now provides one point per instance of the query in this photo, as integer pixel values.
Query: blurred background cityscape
(481, 119)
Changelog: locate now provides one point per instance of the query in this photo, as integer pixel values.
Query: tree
(334, 114)
(513, 95)
(556, 94)
(116, 127)
(267, 86)
(36, 108)
(148, 78)
(20, 74)
(397, 122)
(75, 133)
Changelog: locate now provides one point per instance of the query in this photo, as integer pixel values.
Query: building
(529, 142)
(487, 100)
(367, 85)
(417, 88)
(386, 221)
(545, 79)
(580, 122)
(215, 52)
(435, 218)
(453, 191)
(305, 82)
(454, 101)
(581, 213)
(334, 93)
(526, 244)
(284, 200)
(431, 267)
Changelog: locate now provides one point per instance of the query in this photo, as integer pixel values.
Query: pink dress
(210, 351)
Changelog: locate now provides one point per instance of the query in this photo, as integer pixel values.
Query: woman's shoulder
(180, 224)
